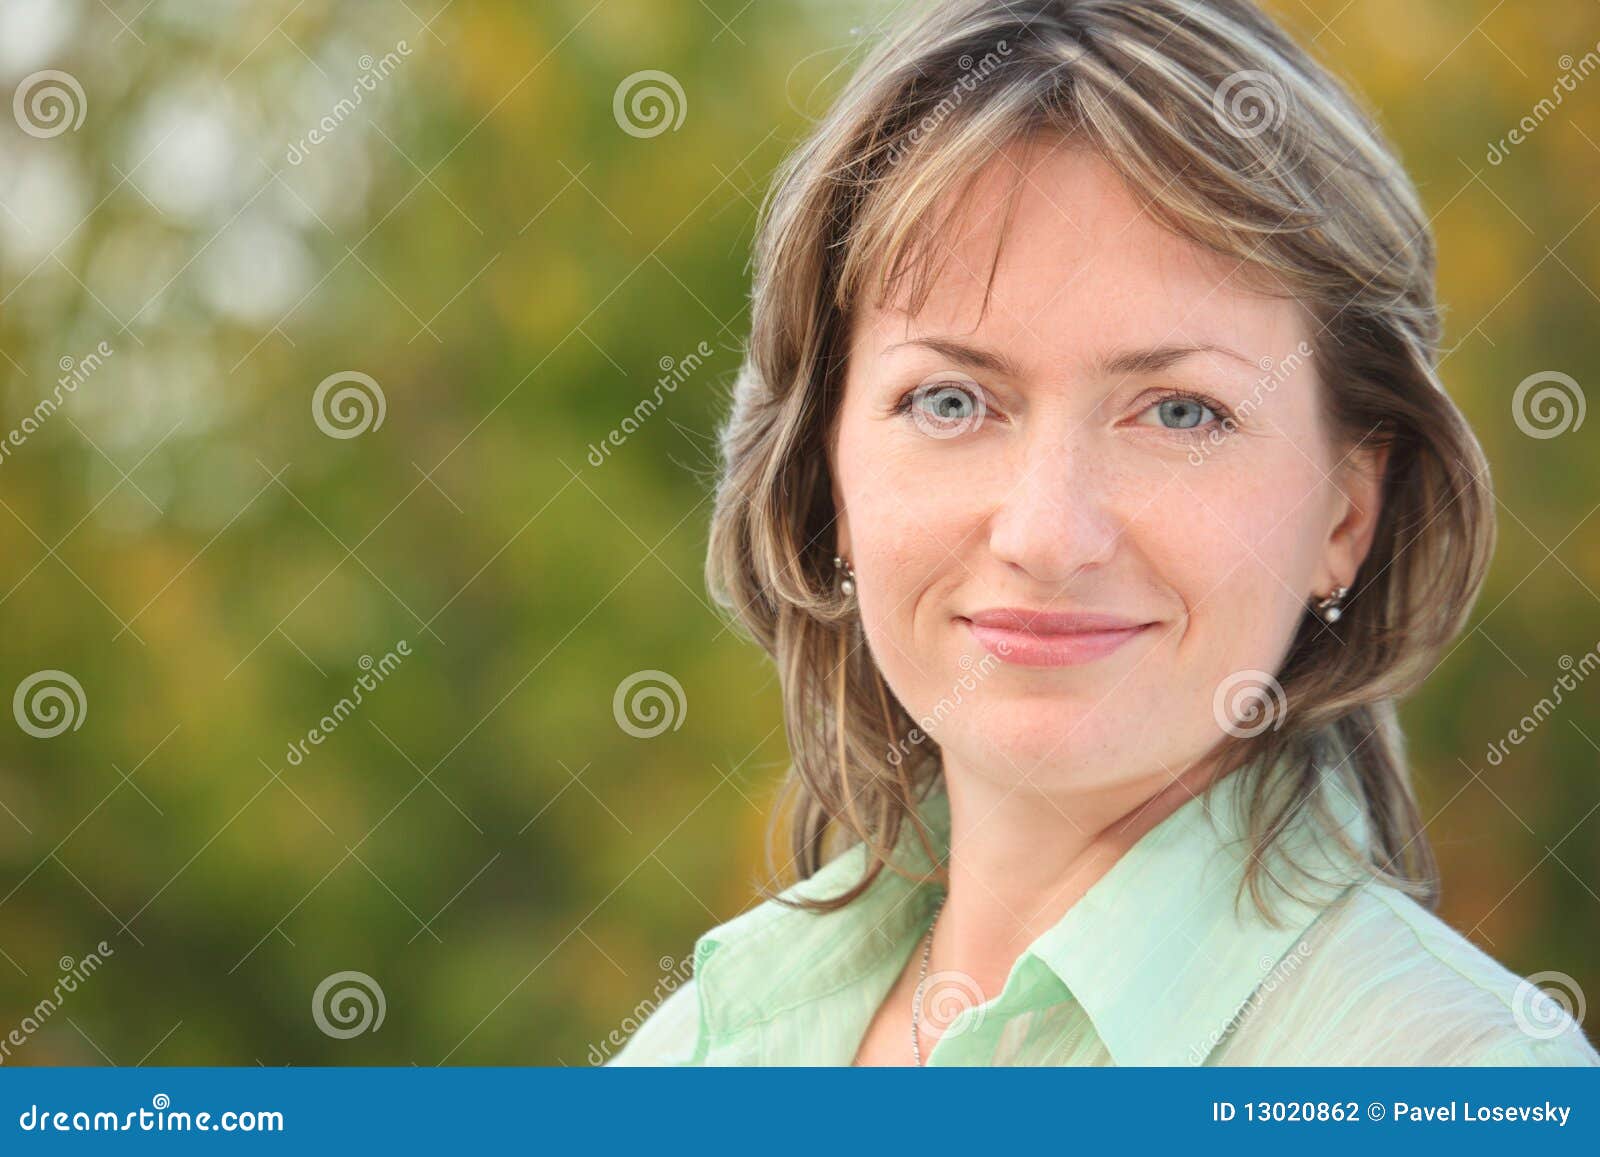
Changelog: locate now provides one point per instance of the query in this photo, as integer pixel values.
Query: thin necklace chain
(922, 980)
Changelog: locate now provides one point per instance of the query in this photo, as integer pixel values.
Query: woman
(1090, 482)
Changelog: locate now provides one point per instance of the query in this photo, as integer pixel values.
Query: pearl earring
(1332, 606)
(847, 586)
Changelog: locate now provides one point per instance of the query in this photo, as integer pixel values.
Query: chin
(1061, 745)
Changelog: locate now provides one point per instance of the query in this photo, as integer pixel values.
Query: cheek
(1240, 549)
(908, 525)
(907, 535)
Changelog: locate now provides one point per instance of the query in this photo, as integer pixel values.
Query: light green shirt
(1152, 966)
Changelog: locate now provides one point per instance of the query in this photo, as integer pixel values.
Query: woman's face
(1125, 432)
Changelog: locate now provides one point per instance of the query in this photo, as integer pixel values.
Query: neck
(1020, 859)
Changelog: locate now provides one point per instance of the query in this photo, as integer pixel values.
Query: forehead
(1079, 266)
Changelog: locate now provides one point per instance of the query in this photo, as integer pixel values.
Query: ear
(1357, 503)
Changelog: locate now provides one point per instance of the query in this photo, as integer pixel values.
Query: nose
(1054, 517)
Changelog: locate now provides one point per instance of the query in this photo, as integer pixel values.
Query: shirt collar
(1155, 951)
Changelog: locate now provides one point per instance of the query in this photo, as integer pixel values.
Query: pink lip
(1044, 639)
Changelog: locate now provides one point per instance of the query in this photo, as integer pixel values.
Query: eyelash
(1224, 416)
(903, 406)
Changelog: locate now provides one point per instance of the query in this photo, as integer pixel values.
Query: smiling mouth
(1033, 647)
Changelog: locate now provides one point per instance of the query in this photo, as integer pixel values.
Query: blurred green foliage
(481, 237)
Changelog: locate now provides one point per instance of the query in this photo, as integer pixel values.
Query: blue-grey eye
(949, 403)
(946, 408)
(1183, 413)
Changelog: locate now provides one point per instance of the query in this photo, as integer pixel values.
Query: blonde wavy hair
(1235, 139)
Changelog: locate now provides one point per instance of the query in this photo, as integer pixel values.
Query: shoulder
(1380, 980)
(669, 1034)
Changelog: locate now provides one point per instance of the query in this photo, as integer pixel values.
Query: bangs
(920, 196)
(911, 192)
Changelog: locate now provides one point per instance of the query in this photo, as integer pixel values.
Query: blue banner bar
(798, 1110)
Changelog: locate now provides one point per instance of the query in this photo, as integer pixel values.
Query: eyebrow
(1124, 362)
